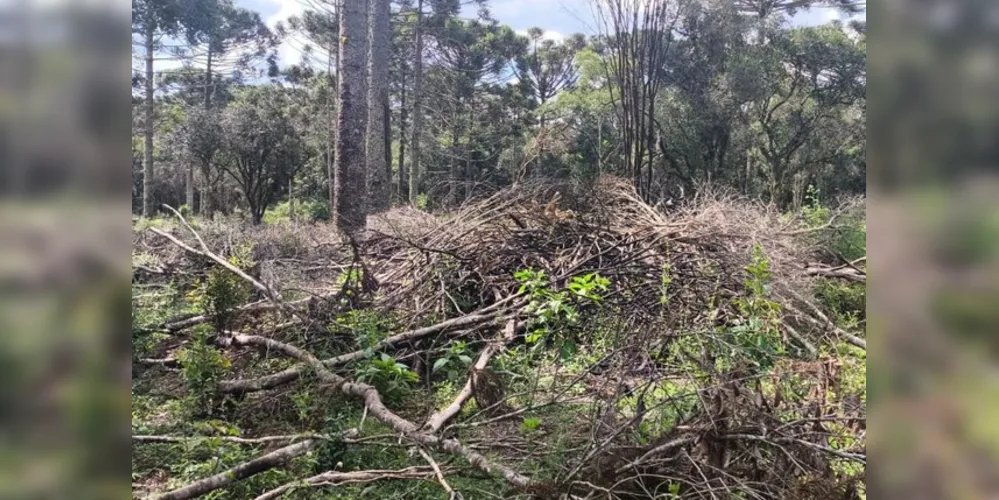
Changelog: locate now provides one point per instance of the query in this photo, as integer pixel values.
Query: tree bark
(414, 157)
(241, 471)
(147, 158)
(379, 187)
(189, 179)
(331, 131)
(350, 168)
(403, 116)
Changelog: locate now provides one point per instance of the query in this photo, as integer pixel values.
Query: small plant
(422, 201)
(587, 286)
(665, 280)
(553, 310)
(204, 366)
(303, 401)
(455, 361)
(758, 334)
(530, 425)
(221, 293)
(392, 378)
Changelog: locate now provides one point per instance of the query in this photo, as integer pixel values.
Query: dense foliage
(739, 97)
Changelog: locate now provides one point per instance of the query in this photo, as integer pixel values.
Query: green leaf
(465, 359)
(440, 363)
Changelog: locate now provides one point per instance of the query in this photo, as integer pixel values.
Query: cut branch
(242, 471)
(372, 399)
(473, 319)
(334, 478)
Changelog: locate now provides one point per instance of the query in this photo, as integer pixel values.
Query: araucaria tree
(378, 141)
(263, 151)
(350, 166)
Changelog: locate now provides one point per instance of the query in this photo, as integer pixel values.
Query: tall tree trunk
(205, 192)
(147, 158)
(414, 156)
(379, 188)
(350, 168)
(330, 130)
(403, 116)
(291, 198)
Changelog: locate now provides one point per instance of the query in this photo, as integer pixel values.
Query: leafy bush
(758, 332)
(551, 310)
(305, 210)
(204, 367)
(221, 293)
(455, 361)
(846, 238)
(392, 378)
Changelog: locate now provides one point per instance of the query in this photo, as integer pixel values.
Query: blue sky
(557, 17)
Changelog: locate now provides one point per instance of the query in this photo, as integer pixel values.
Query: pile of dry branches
(791, 430)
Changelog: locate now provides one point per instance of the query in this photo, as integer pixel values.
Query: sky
(559, 18)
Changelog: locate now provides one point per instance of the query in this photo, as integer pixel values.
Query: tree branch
(242, 471)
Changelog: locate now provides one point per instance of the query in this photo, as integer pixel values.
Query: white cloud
(548, 35)
(289, 52)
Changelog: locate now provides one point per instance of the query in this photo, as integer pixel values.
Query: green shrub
(204, 366)
(392, 378)
(221, 293)
(305, 211)
(757, 334)
(846, 238)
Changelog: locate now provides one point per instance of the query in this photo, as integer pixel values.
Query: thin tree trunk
(403, 116)
(330, 129)
(414, 158)
(205, 192)
(350, 168)
(147, 158)
(291, 198)
(379, 168)
(600, 147)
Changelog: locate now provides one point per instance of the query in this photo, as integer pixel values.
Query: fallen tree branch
(334, 478)
(229, 439)
(291, 374)
(440, 475)
(241, 471)
(841, 272)
(823, 321)
(439, 418)
(372, 399)
(206, 252)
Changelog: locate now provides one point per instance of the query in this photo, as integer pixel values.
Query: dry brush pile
(614, 350)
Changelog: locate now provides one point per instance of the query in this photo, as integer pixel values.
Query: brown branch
(439, 418)
(332, 478)
(372, 399)
(841, 272)
(241, 471)
(440, 475)
(475, 318)
(229, 439)
(206, 252)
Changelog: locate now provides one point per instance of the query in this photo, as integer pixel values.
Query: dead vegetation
(704, 368)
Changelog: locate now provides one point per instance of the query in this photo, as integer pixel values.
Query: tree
(262, 148)
(548, 67)
(379, 148)
(814, 76)
(414, 151)
(322, 28)
(152, 19)
(350, 172)
(217, 30)
(202, 142)
(639, 36)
